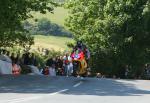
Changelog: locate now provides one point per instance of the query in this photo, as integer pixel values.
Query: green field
(51, 42)
(59, 16)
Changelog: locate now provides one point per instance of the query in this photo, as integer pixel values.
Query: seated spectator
(16, 69)
(45, 71)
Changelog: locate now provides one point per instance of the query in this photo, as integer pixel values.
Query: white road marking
(78, 84)
(61, 91)
(38, 97)
(35, 97)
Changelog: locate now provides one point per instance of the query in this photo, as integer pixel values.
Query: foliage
(70, 45)
(116, 31)
(41, 59)
(12, 13)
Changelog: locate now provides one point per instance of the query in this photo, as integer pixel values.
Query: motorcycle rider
(85, 50)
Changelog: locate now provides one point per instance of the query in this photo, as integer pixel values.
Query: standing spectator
(8, 53)
(33, 60)
(22, 59)
(52, 71)
(46, 51)
(87, 55)
(18, 59)
(126, 71)
(7, 58)
(26, 58)
(38, 49)
(68, 64)
(5, 64)
(59, 65)
(12, 57)
(49, 62)
(147, 71)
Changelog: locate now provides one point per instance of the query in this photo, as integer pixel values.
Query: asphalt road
(45, 89)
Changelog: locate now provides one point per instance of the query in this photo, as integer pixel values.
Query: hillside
(58, 17)
(51, 42)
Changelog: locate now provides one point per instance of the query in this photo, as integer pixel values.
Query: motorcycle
(79, 63)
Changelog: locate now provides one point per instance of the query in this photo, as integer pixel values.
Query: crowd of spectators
(59, 65)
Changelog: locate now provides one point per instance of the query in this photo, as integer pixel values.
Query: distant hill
(52, 24)
(51, 42)
(58, 17)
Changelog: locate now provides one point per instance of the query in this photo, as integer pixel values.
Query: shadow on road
(107, 88)
(46, 85)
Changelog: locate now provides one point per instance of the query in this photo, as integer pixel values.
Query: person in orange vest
(16, 69)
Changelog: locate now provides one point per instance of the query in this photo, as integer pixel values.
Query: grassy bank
(51, 42)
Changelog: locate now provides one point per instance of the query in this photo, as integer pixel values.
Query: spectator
(22, 59)
(49, 62)
(16, 69)
(88, 74)
(12, 57)
(98, 75)
(5, 63)
(38, 49)
(45, 71)
(126, 71)
(33, 60)
(46, 51)
(17, 59)
(52, 71)
(8, 53)
(6, 58)
(59, 65)
(147, 71)
(68, 64)
(26, 58)
(87, 55)
(114, 76)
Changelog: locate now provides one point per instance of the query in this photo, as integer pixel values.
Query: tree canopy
(12, 14)
(117, 31)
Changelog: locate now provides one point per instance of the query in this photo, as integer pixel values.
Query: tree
(116, 29)
(12, 14)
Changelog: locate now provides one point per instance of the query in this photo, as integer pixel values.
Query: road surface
(45, 89)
